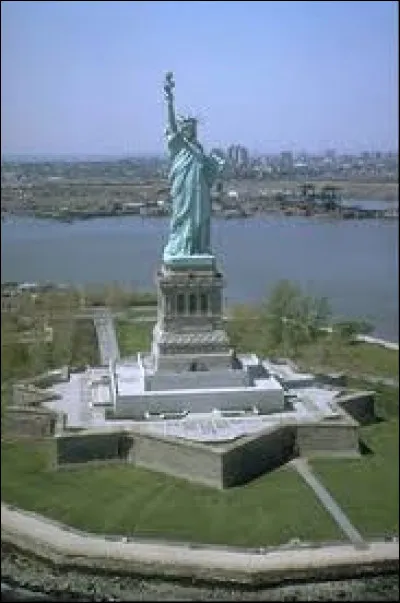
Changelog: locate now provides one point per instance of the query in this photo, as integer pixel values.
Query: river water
(353, 263)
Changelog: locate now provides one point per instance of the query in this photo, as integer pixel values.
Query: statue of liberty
(192, 174)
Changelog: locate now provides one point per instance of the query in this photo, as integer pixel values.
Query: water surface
(353, 263)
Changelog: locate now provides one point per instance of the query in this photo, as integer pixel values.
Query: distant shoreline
(291, 211)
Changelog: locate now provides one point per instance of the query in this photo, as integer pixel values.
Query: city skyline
(162, 154)
(85, 78)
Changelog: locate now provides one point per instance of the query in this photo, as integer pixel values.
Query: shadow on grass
(364, 448)
(370, 420)
(274, 463)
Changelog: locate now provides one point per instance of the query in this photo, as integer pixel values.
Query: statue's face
(189, 130)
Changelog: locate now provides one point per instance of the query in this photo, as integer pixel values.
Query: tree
(294, 318)
(348, 330)
(314, 315)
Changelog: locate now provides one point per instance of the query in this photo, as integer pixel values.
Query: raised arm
(169, 97)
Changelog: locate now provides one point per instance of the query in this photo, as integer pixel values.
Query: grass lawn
(358, 358)
(368, 489)
(251, 335)
(133, 337)
(139, 311)
(123, 499)
(74, 343)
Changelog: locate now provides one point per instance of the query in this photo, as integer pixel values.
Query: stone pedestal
(191, 368)
(189, 334)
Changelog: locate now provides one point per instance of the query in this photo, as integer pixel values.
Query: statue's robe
(191, 177)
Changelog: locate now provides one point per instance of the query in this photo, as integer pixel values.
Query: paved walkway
(389, 345)
(389, 381)
(106, 336)
(373, 379)
(53, 540)
(303, 468)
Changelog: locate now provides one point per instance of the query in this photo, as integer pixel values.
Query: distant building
(238, 155)
(243, 156)
(286, 161)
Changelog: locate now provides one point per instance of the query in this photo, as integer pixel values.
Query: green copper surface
(192, 174)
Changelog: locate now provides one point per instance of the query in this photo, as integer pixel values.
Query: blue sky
(86, 77)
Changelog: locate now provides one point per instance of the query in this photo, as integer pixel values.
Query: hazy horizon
(85, 78)
(138, 155)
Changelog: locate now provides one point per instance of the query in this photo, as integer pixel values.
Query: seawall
(68, 548)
